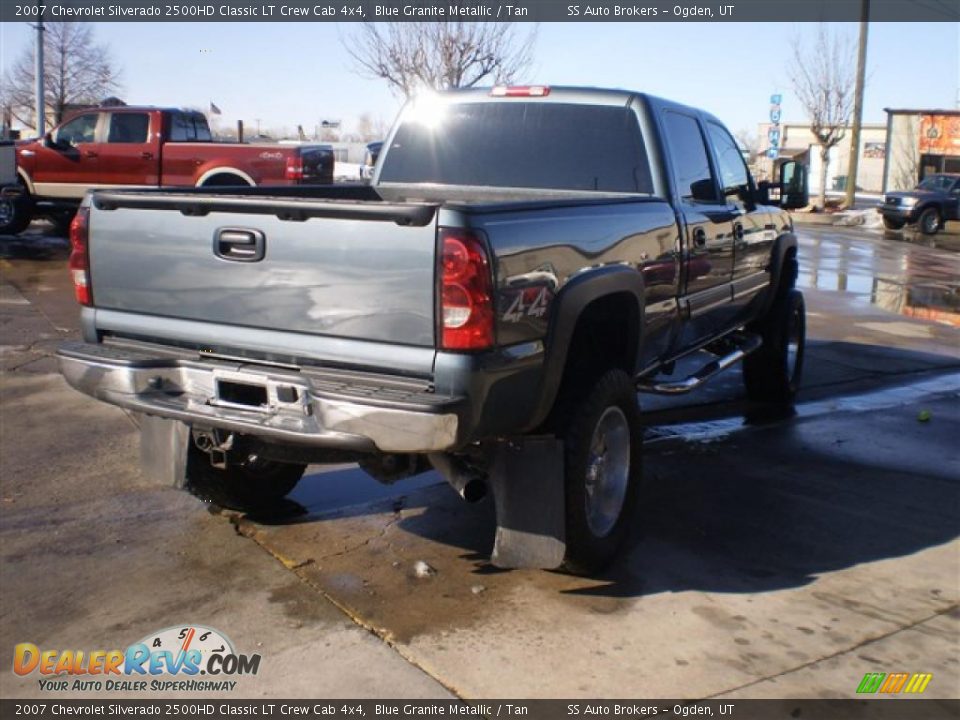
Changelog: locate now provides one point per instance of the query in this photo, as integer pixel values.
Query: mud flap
(163, 450)
(527, 481)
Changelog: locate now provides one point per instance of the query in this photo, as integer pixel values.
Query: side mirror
(703, 190)
(762, 195)
(794, 192)
(48, 140)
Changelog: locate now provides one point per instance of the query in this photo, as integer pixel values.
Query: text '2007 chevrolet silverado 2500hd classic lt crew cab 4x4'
(143, 147)
(525, 260)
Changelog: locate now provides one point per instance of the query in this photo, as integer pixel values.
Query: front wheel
(893, 223)
(772, 373)
(249, 485)
(929, 221)
(602, 470)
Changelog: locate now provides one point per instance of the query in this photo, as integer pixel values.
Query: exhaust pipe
(469, 483)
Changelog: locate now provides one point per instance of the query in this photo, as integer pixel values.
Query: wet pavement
(907, 279)
(772, 557)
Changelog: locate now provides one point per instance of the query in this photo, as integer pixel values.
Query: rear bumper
(290, 407)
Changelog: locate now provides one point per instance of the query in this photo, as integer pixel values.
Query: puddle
(323, 489)
(903, 280)
(34, 245)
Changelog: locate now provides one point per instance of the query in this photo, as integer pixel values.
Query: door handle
(239, 245)
(90, 154)
(699, 236)
(146, 155)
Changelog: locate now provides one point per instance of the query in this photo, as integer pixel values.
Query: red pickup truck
(143, 147)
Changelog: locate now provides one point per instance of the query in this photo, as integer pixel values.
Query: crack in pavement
(853, 648)
(381, 635)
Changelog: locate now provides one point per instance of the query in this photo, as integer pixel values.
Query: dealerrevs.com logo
(180, 658)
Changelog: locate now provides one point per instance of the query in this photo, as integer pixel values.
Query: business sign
(940, 134)
(773, 134)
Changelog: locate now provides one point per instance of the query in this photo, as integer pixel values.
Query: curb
(813, 218)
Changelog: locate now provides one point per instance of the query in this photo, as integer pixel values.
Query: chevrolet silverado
(525, 260)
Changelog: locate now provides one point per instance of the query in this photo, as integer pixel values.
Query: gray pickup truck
(525, 260)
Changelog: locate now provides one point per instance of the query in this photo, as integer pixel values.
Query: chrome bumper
(294, 410)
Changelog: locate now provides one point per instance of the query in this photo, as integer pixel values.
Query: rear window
(189, 127)
(525, 145)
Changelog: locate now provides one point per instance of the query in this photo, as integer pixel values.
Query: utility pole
(854, 163)
(38, 75)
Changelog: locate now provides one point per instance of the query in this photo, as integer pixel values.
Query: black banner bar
(873, 709)
(481, 10)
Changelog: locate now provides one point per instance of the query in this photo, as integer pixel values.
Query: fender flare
(778, 255)
(225, 170)
(565, 313)
(22, 174)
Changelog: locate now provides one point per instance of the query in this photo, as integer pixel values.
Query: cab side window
(689, 158)
(82, 129)
(733, 170)
(129, 128)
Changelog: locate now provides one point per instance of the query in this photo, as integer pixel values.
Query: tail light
(295, 167)
(466, 292)
(80, 257)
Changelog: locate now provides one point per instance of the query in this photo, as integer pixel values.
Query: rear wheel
(602, 471)
(893, 223)
(248, 485)
(61, 222)
(15, 213)
(772, 373)
(225, 180)
(929, 221)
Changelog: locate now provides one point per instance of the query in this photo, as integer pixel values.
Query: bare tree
(749, 141)
(370, 129)
(77, 70)
(905, 155)
(823, 77)
(438, 55)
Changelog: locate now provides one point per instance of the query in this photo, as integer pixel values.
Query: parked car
(143, 147)
(370, 159)
(935, 200)
(525, 260)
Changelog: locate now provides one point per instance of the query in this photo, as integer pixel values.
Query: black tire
(929, 221)
(15, 214)
(772, 373)
(893, 223)
(595, 530)
(61, 223)
(253, 485)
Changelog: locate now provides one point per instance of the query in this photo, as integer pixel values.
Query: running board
(745, 344)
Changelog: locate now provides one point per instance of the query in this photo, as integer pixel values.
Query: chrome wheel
(794, 341)
(929, 221)
(608, 471)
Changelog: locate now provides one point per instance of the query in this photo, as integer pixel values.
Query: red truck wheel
(15, 213)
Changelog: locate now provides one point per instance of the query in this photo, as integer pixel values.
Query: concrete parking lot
(772, 557)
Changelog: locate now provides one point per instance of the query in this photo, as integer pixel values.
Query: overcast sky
(290, 73)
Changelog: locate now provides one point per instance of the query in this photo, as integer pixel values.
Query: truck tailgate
(350, 269)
